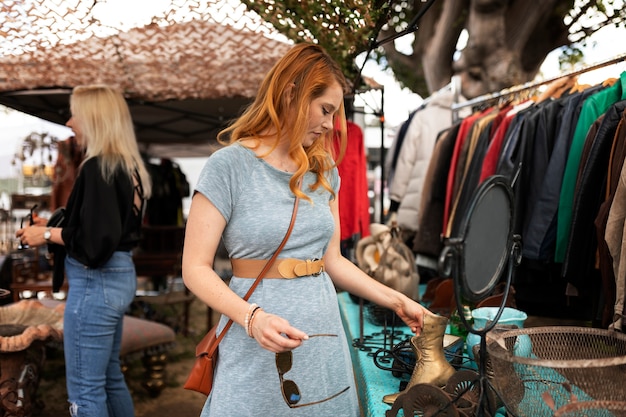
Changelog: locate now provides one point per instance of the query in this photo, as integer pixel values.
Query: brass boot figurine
(431, 366)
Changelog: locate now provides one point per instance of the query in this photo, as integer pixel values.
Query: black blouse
(100, 217)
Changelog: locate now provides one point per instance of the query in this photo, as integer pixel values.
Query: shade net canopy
(186, 67)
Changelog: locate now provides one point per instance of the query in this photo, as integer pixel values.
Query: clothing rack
(530, 85)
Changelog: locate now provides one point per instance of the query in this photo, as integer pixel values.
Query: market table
(372, 382)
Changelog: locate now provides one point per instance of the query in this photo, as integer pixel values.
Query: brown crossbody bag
(201, 377)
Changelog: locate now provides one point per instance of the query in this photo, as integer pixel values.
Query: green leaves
(343, 27)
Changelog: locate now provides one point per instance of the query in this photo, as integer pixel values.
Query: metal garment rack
(378, 112)
(530, 85)
(373, 44)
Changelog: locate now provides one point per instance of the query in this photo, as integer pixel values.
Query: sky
(15, 126)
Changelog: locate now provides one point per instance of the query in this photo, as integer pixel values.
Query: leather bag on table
(200, 378)
(384, 257)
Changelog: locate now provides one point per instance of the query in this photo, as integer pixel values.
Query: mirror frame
(452, 260)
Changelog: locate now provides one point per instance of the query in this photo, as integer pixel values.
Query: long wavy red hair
(308, 71)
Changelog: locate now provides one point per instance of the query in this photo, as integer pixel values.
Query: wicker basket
(537, 371)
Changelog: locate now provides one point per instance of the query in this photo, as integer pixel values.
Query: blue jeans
(93, 319)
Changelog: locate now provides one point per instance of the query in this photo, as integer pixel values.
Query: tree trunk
(507, 43)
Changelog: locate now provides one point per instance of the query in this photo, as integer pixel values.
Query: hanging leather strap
(268, 265)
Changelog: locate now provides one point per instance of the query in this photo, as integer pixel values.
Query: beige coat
(615, 236)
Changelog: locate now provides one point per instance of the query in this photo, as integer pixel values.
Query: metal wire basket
(592, 408)
(537, 371)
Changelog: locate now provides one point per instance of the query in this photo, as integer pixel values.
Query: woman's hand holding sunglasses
(275, 333)
(289, 388)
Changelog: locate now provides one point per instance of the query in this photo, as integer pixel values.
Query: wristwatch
(47, 235)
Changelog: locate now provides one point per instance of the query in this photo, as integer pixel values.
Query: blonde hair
(103, 117)
(308, 71)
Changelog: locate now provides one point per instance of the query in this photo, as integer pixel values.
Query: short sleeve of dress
(335, 181)
(220, 178)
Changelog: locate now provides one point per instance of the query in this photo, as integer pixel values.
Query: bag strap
(266, 268)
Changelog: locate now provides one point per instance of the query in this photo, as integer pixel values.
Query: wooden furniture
(171, 300)
(34, 287)
(21, 370)
(141, 338)
(27, 201)
(159, 256)
(27, 278)
(25, 329)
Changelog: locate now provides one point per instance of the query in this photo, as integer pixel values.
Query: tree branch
(438, 55)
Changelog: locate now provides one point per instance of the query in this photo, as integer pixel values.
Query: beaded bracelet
(246, 321)
(249, 328)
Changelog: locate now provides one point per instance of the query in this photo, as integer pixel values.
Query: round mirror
(486, 237)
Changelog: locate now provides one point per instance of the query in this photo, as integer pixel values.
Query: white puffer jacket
(415, 154)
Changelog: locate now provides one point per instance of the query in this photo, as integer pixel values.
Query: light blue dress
(256, 202)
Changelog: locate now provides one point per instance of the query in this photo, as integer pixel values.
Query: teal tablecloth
(372, 382)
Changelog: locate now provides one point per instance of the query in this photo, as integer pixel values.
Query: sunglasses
(29, 216)
(290, 390)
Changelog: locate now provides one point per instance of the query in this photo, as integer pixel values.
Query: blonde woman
(287, 355)
(102, 225)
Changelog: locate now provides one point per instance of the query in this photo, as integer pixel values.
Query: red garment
(354, 203)
(499, 119)
(493, 152)
(464, 130)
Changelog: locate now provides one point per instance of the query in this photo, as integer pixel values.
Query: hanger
(577, 88)
(556, 88)
(490, 96)
(566, 87)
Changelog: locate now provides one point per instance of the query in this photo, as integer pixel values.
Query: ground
(173, 401)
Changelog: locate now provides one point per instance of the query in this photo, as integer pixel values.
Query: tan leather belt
(282, 268)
